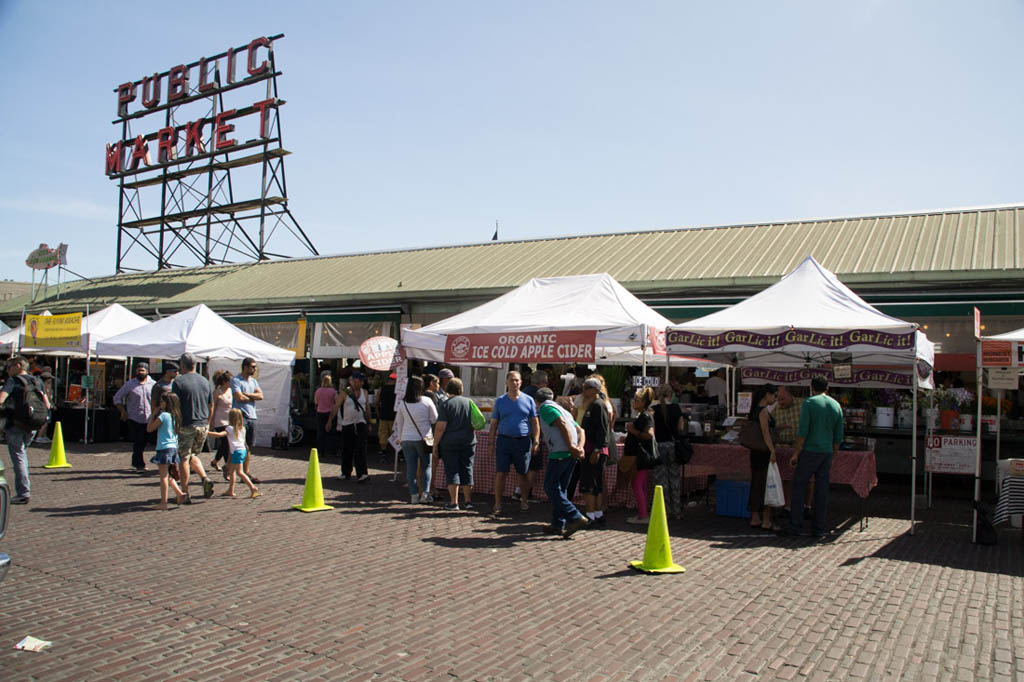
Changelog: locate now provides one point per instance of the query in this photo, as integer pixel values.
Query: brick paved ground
(378, 589)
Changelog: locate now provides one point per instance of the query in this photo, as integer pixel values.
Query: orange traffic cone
(313, 495)
(57, 458)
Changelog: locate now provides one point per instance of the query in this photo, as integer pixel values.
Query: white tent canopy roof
(199, 331)
(1015, 335)
(809, 300)
(623, 322)
(9, 339)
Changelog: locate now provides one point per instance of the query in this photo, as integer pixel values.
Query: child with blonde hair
(235, 433)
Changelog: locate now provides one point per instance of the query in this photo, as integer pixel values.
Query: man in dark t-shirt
(195, 394)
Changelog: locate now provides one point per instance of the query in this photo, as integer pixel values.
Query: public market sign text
(138, 98)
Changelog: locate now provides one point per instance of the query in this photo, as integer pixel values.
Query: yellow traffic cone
(57, 458)
(657, 553)
(313, 495)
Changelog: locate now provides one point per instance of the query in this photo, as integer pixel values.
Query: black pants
(353, 447)
(138, 435)
(326, 441)
(759, 460)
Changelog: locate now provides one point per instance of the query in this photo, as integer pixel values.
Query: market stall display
(809, 319)
(222, 345)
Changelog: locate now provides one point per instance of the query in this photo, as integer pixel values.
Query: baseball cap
(358, 375)
(592, 383)
(446, 374)
(171, 366)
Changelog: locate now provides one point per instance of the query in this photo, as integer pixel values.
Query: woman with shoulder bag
(668, 424)
(761, 457)
(639, 447)
(414, 422)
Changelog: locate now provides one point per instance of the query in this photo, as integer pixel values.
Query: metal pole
(913, 452)
(88, 362)
(977, 460)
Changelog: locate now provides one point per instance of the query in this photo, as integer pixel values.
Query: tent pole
(88, 360)
(643, 337)
(913, 452)
(977, 459)
(999, 431)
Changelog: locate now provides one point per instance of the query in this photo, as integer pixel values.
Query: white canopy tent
(809, 318)
(628, 330)
(1012, 354)
(103, 324)
(11, 339)
(210, 337)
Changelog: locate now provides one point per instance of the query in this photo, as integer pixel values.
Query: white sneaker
(427, 498)
(414, 499)
(43, 439)
(637, 521)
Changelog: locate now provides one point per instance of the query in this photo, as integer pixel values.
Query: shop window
(342, 339)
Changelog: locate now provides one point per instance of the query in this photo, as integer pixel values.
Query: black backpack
(30, 413)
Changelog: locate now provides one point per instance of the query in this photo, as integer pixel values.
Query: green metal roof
(953, 247)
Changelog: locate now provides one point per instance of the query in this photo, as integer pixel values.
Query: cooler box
(732, 498)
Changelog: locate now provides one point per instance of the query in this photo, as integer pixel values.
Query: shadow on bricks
(105, 509)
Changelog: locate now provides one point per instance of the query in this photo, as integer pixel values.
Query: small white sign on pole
(743, 400)
(1003, 377)
(640, 382)
(950, 454)
(842, 371)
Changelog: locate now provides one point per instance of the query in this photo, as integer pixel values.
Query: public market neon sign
(136, 99)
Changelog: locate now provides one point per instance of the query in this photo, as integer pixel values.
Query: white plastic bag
(773, 495)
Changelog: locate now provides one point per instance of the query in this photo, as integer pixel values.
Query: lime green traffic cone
(657, 552)
(313, 495)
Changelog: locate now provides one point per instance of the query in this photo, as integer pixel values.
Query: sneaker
(363, 479)
(414, 499)
(600, 522)
(20, 499)
(637, 521)
(517, 496)
(427, 498)
(43, 439)
(207, 488)
(451, 507)
(187, 500)
(574, 526)
(467, 505)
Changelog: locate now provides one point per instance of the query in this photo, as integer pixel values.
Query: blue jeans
(556, 480)
(17, 443)
(415, 452)
(819, 465)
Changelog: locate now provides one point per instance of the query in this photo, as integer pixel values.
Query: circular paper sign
(380, 353)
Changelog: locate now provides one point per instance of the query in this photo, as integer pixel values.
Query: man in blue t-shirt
(514, 420)
(245, 391)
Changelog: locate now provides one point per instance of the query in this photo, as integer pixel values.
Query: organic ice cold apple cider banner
(558, 346)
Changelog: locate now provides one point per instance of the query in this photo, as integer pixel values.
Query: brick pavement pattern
(379, 589)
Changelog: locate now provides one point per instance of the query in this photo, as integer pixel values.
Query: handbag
(476, 417)
(649, 457)
(627, 465)
(428, 440)
(683, 451)
(773, 495)
(751, 436)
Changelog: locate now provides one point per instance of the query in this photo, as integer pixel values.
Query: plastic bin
(732, 498)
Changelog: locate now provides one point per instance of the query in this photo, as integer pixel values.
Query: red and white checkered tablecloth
(855, 468)
(695, 477)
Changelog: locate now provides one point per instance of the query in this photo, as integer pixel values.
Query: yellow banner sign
(52, 331)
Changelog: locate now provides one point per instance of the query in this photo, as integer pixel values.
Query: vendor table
(694, 477)
(855, 468)
(104, 424)
(1011, 499)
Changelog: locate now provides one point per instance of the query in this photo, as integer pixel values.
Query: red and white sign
(381, 353)
(1002, 354)
(950, 454)
(554, 346)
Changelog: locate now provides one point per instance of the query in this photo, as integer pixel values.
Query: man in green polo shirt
(565, 439)
(818, 438)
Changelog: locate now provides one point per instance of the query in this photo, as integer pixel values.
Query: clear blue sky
(421, 123)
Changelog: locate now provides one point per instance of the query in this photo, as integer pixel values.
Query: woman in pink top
(220, 405)
(325, 396)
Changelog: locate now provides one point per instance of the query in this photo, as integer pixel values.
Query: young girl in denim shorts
(235, 433)
(165, 421)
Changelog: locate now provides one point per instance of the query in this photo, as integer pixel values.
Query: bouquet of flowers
(953, 398)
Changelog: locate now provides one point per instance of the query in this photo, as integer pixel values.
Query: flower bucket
(966, 422)
(990, 424)
(949, 420)
(905, 419)
(931, 415)
(884, 417)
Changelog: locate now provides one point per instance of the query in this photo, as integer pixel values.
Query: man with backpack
(26, 408)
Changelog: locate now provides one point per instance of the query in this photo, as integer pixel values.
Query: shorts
(166, 456)
(238, 456)
(511, 451)
(458, 464)
(190, 441)
(592, 475)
